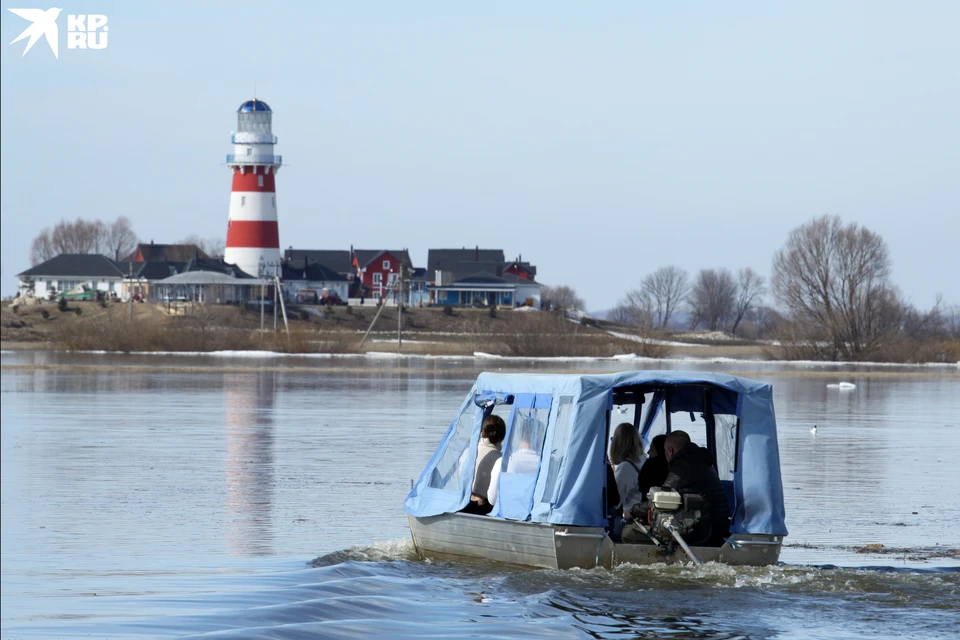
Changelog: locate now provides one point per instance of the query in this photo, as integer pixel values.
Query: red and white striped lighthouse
(253, 237)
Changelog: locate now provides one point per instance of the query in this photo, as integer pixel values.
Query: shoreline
(297, 362)
(465, 334)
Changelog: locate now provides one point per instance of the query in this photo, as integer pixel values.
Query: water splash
(383, 551)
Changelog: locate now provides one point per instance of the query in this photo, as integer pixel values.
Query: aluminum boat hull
(460, 536)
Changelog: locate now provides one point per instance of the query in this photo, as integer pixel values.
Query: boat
(554, 514)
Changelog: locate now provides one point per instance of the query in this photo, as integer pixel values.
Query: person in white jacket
(626, 456)
(487, 469)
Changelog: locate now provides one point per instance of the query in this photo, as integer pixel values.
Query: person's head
(626, 444)
(656, 446)
(494, 429)
(674, 442)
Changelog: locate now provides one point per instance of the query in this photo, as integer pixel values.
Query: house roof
(508, 278)
(334, 259)
(157, 269)
(306, 269)
(211, 278)
(482, 279)
(218, 265)
(170, 252)
(465, 261)
(91, 265)
(82, 265)
(526, 266)
(366, 256)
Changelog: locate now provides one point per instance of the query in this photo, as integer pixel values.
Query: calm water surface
(148, 496)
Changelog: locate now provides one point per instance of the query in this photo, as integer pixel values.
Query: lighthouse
(253, 237)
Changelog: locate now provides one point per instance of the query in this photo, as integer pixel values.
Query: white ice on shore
(667, 343)
(624, 357)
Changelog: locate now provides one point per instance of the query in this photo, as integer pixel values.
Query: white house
(69, 271)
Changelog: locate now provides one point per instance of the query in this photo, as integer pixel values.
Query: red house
(521, 269)
(377, 269)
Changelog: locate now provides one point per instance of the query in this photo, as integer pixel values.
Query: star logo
(44, 24)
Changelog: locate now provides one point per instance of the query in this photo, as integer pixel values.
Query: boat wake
(382, 590)
(384, 551)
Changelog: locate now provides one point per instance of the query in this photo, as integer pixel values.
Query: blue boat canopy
(553, 468)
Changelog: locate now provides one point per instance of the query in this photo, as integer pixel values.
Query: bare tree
(121, 240)
(82, 236)
(750, 288)
(635, 309)
(213, 247)
(712, 298)
(42, 249)
(834, 280)
(767, 320)
(951, 321)
(561, 298)
(666, 288)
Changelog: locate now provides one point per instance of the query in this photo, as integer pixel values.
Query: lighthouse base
(248, 260)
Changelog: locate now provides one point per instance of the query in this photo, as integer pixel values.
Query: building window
(386, 264)
(376, 295)
(377, 278)
(249, 151)
(273, 200)
(392, 278)
(243, 201)
(259, 181)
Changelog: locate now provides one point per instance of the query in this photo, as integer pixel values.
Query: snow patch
(667, 343)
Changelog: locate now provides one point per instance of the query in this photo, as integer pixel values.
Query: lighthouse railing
(251, 159)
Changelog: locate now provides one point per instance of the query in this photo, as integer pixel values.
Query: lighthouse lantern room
(253, 237)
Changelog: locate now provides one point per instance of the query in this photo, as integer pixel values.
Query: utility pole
(400, 308)
(263, 293)
(130, 277)
(383, 305)
(276, 293)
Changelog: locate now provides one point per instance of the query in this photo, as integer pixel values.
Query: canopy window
(522, 454)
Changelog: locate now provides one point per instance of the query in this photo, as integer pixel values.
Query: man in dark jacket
(691, 471)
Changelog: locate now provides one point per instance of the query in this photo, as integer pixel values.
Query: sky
(600, 141)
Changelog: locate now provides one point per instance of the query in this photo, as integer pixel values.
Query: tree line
(114, 240)
(714, 299)
(832, 298)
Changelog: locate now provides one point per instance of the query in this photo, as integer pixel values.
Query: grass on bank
(223, 328)
(89, 326)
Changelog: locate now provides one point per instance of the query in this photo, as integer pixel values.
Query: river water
(256, 496)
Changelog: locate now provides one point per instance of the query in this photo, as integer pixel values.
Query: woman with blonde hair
(626, 456)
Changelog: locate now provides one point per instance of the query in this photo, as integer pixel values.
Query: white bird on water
(814, 430)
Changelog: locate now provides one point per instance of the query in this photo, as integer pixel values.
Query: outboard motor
(673, 515)
(670, 509)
